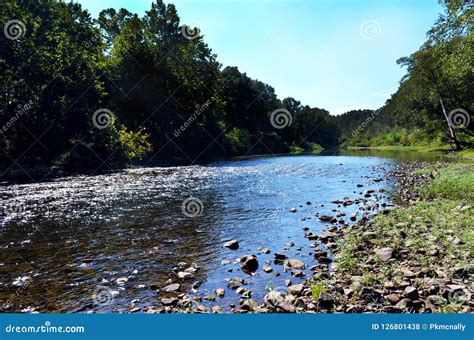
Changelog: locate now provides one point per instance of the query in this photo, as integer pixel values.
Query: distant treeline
(84, 93)
(434, 103)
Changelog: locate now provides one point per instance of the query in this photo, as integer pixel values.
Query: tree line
(85, 93)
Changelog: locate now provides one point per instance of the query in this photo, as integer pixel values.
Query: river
(65, 239)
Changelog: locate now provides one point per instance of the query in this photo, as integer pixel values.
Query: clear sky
(333, 54)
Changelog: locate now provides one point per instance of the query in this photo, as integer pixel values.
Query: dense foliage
(81, 93)
(84, 93)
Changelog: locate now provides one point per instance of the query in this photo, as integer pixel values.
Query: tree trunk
(451, 130)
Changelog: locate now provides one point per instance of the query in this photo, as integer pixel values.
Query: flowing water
(63, 240)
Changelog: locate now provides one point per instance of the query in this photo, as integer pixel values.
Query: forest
(81, 93)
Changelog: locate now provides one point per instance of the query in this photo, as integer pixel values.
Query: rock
(408, 273)
(404, 303)
(297, 273)
(286, 307)
(293, 210)
(393, 298)
(370, 295)
(248, 305)
(232, 244)
(267, 269)
(210, 298)
(265, 250)
(294, 263)
(324, 260)
(121, 281)
(216, 309)
(288, 282)
(185, 303)
(196, 285)
(201, 309)
(185, 275)
(455, 288)
(249, 263)
(325, 300)
(220, 292)
(280, 256)
(169, 302)
(411, 293)
(384, 254)
(308, 203)
(348, 292)
(296, 289)
(326, 218)
(273, 299)
(175, 287)
(225, 262)
(193, 269)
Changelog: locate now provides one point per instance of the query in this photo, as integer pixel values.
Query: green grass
(441, 224)
(316, 289)
(455, 182)
(414, 148)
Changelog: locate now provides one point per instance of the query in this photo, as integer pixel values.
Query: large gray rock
(294, 263)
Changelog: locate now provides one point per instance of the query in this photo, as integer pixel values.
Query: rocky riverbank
(412, 258)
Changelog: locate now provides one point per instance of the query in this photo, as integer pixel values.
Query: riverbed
(63, 242)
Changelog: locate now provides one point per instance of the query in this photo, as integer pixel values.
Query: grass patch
(456, 181)
(316, 289)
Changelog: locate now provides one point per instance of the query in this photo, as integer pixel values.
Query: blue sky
(333, 54)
